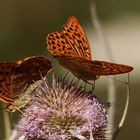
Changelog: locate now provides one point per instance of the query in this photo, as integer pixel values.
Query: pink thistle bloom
(63, 111)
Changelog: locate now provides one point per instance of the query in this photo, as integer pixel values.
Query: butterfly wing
(14, 76)
(72, 41)
(81, 67)
(76, 36)
(6, 71)
(91, 70)
(58, 45)
(113, 68)
(29, 70)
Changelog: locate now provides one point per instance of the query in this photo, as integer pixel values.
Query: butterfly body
(71, 48)
(14, 76)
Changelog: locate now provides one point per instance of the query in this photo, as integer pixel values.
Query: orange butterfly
(14, 76)
(71, 48)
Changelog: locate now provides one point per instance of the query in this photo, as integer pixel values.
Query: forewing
(6, 74)
(58, 45)
(30, 70)
(114, 69)
(76, 36)
(72, 41)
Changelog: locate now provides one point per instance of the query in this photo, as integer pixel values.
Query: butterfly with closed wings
(14, 76)
(71, 48)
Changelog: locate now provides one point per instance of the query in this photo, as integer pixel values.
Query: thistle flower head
(63, 111)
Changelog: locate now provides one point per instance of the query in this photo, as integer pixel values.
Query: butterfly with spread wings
(71, 48)
(14, 76)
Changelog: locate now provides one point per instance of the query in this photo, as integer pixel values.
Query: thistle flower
(63, 111)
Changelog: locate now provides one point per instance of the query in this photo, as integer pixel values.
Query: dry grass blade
(124, 112)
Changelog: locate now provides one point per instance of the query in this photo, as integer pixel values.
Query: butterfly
(14, 76)
(71, 48)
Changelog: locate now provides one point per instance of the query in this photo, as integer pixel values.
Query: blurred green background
(24, 26)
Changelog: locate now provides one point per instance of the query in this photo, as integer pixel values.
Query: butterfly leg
(65, 75)
(92, 84)
(74, 82)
